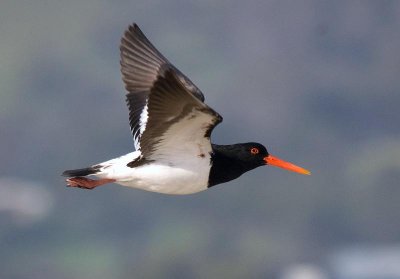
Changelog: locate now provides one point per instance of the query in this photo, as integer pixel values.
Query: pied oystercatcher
(171, 127)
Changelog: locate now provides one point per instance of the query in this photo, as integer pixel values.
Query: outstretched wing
(166, 110)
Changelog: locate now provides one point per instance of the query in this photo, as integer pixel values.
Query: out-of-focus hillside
(317, 82)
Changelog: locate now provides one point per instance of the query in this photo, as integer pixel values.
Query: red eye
(254, 151)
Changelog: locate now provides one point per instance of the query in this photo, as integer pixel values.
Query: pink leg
(86, 183)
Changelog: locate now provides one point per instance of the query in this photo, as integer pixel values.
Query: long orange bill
(274, 161)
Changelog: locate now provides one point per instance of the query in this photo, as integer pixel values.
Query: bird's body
(163, 177)
(171, 127)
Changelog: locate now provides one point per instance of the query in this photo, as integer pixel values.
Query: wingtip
(131, 32)
(133, 28)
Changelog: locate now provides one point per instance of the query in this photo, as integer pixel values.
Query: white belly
(166, 179)
(179, 178)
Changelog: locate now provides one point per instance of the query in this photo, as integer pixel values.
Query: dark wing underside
(161, 99)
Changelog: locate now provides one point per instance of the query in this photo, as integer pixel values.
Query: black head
(231, 161)
(250, 154)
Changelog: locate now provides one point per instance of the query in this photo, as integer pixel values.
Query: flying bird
(171, 127)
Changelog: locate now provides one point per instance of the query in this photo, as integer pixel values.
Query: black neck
(226, 164)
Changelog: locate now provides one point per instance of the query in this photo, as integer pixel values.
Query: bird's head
(255, 154)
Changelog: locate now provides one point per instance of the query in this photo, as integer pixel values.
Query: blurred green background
(318, 82)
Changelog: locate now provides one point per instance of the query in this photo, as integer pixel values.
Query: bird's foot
(86, 183)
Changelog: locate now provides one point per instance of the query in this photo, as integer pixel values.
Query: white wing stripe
(144, 116)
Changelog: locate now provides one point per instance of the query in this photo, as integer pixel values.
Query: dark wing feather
(140, 60)
(141, 65)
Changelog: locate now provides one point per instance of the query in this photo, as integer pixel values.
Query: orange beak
(274, 161)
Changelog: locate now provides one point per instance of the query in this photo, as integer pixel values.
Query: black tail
(81, 172)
